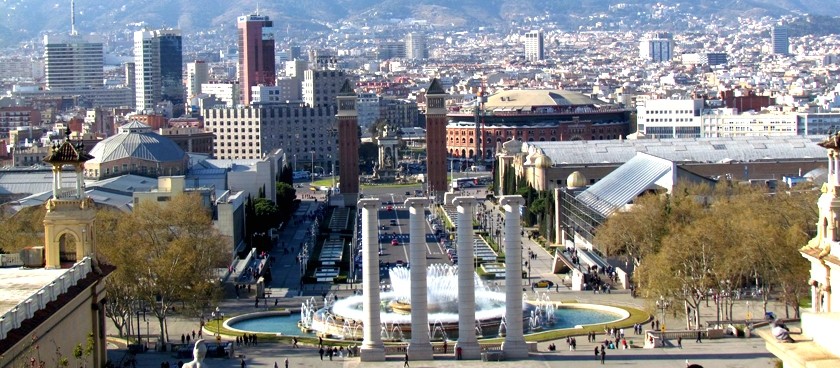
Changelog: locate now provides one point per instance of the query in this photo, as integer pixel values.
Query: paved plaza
(727, 352)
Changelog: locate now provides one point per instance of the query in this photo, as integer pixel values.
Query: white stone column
(514, 346)
(56, 180)
(466, 279)
(80, 193)
(836, 162)
(420, 346)
(372, 349)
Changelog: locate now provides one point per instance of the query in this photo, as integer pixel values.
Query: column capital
(416, 202)
(464, 201)
(369, 203)
(511, 200)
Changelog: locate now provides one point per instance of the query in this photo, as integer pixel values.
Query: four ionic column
(514, 346)
(466, 276)
(372, 349)
(420, 346)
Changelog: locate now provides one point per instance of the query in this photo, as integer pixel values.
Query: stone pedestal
(420, 346)
(372, 349)
(514, 346)
(466, 279)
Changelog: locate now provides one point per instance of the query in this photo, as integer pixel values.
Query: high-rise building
(256, 53)
(779, 40)
(367, 109)
(534, 45)
(302, 132)
(390, 50)
(158, 62)
(293, 53)
(399, 112)
(198, 73)
(227, 93)
(321, 87)
(415, 46)
(73, 62)
(295, 69)
(320, 59)
(657, 47)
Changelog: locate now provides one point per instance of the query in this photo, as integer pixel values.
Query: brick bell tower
(436, 140)
(348, 144)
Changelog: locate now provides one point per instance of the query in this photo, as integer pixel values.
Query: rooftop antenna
(73, 18)
(258, 7)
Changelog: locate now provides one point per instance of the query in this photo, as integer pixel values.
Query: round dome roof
(576, 180)
(542, 162)
(138, 145)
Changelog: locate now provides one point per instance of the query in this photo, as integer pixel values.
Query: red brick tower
(348, 144)
(436, 139)
(256, 53)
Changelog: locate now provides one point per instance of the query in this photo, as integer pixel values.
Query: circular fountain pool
(565, 316)
(343, 318)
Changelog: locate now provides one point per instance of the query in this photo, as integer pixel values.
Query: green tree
(368, 153)
(171, 251)
(637, 233)
(286, 195)
(267, 215)
(286, 175)
(24, 229)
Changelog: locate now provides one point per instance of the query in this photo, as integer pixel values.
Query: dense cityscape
(275, 172)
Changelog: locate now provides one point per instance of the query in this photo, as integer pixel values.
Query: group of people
(247, 340)
(185, 338)
(340, 351)
(637, 329)
(602, 353)
(572, 342)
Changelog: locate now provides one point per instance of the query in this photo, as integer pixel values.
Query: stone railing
(27, 308)
(658, 339)
(10, 260)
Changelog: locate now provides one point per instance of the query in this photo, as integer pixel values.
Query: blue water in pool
(287, 325)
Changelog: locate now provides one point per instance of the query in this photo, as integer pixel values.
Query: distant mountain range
(27, 20)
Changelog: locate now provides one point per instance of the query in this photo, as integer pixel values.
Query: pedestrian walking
(321, 352)
(597, 352)
(679, 342)
(405, 365)
(603, 355)
(275, 365)
(286, 362)
(699, 337)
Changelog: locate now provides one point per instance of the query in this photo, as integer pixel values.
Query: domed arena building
(136, 150)
(532, 116)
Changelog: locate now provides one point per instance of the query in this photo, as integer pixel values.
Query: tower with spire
(68, 223)
(436, 139)
(348, 143)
